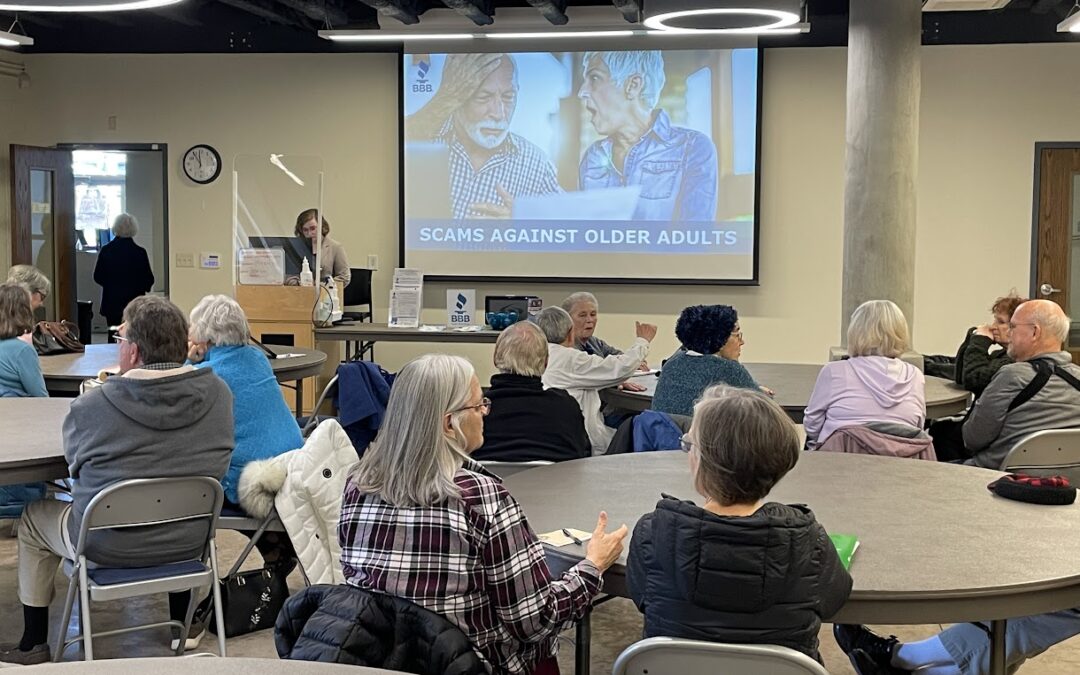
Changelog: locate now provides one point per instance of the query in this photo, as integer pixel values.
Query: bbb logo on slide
(422, 85)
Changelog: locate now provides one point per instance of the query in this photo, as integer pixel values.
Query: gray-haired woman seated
(737, 568)
(218, 338)
(34, 280)
(528, 422)
(421, 520)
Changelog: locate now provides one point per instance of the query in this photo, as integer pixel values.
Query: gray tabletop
(32, 448)
(935, 545)
(205, 665)
(65, 372)
(380, 332)
(793, 384)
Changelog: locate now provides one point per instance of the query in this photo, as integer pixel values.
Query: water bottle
(306, 278)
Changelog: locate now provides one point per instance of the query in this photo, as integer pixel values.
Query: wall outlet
(185, 260)
(373, 262)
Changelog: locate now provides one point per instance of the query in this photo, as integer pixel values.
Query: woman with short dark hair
(737, 568)
(713, 342)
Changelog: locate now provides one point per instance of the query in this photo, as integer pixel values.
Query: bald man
(1009, 409)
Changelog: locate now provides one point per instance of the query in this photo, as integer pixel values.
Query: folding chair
(240, 521)
(1054, 452)
(140, 503)
(507, 469)
(664, 656)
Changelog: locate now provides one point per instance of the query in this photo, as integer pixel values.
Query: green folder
(846, 545)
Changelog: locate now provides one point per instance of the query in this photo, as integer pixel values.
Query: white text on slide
(536, 235)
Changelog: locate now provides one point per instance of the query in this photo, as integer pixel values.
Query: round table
(65, 372)
(206, 665)
(935, 545)
(32, 448)
(793, 384)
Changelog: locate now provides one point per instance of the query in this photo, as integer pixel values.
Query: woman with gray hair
(123, 269)
(527, 422)
(873, 384)
(779, 573)
(421, 520)
(583, 375)
(31, 277)
(218, 338)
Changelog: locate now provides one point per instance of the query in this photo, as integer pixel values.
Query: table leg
(997, 647)
(583, 644)
(300, 398)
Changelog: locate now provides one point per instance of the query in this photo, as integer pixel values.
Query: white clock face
(202, 164)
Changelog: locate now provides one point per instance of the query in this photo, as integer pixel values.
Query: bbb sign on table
(461, 307)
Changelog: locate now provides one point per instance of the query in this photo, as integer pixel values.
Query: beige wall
(983, 108)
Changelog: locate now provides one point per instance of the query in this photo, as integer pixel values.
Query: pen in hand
(572, 537)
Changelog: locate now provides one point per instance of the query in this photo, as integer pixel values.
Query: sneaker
(10, 653)
(852, 637)
(195, 636)
(867, 665)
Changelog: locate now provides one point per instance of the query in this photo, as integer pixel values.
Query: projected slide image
(619, 164)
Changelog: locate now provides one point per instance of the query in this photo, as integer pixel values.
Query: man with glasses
(1008, 409)
(158, 419)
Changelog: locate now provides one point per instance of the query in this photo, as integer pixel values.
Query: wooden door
(43, 221)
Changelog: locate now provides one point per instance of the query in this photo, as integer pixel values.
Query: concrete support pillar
(883, 86)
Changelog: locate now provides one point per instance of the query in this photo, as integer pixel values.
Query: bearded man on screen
(471, 113)
(675, 166)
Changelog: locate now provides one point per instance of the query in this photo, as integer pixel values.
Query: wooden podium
(281, 315)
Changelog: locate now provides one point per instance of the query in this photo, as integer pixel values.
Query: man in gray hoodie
(1038, 330)
(158, 419)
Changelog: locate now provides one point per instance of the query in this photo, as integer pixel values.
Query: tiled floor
(616, 624)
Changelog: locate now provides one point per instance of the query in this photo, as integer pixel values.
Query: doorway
(1055, 242)
(110, 179)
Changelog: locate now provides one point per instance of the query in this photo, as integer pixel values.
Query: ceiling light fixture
(782, 19)
(567, 34)
(9, 38)
(1071, 23)
(85, 5)
(377, 36)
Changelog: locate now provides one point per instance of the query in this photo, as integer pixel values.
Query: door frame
(145, 147)
(1033, 282)
(63, 222)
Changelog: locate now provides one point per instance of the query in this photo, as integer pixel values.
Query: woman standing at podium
(332, 260)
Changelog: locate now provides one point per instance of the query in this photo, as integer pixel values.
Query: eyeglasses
(122, 338)
(483, 406)
(1012, 326)
(685, 444)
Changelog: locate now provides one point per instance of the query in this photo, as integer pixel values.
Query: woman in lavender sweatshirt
(874, 385)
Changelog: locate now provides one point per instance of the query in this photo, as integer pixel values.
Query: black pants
(949, 441)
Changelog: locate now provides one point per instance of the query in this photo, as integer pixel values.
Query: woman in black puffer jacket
(737, 568)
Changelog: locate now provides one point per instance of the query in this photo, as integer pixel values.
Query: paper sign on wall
(261, 266)
(461, 307)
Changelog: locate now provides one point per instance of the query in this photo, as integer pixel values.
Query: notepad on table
(846, 545)
(559, 538)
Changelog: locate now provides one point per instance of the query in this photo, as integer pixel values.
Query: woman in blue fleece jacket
(218, 339)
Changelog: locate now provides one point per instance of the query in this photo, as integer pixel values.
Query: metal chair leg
(583, 644)
(188, 615)
(84, 613)
(219, 621)
(69, 603)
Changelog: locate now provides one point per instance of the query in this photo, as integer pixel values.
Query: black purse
(251, 600)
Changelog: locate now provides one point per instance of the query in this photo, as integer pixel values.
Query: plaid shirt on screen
(473, 560)
(517, 166)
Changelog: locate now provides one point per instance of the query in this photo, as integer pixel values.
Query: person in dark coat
(122, 270)
(736, 569)
(528, 422)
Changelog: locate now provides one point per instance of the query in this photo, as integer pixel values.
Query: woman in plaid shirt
(420, 520)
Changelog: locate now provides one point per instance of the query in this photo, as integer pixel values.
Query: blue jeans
(1025, 637)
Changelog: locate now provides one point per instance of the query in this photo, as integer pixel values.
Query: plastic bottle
(306, 279)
